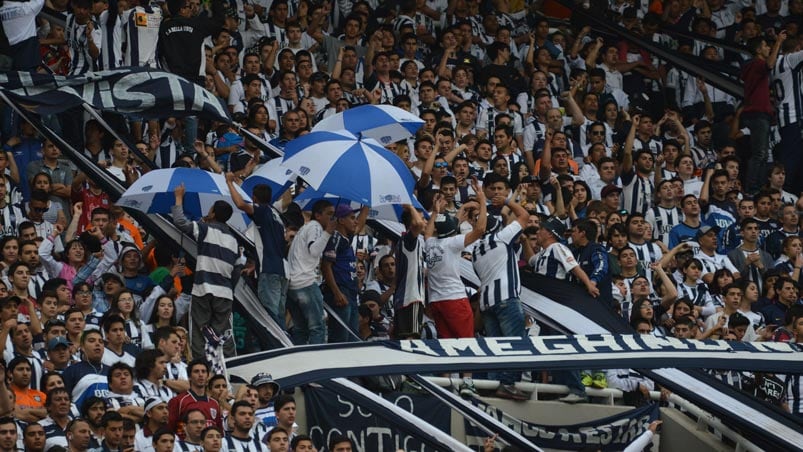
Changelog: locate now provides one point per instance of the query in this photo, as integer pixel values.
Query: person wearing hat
(611, 197)
(155, 418)
(636, 170)
(339, 270)
(58, 353)
(707, 253)
(555, 260)
(378, 323)
(267, 390)
(448, 303)
(130, 266)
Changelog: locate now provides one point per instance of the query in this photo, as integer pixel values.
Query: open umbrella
(278, 177)
(391, 212)
(384, 123)
(359, 170)
(153, 193)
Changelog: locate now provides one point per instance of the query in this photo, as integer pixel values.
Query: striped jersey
(217, 251)
(409, 271)
(637, 192)
(496, 264)
(81, 60)
(249, 444)
(794, 394)
(662, 220)
(111, 32)
(141, 35)
(786, 80)
(555, 261)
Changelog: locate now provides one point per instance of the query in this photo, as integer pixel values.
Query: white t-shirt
(443, 261)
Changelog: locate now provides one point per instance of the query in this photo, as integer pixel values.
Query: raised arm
(627, 157)
(236, 197)
(482, 220)
(546, 156)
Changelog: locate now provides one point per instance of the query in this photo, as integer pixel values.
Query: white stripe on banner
(612, 433)
(307, 364)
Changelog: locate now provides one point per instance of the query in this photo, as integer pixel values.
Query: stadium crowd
(547, 147)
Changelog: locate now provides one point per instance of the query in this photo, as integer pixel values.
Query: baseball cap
(343, 211)
(371, 295)
(706, 229)
(56, 341)
(107, 276)
(445, 225)
(555, 226)
(610, 189)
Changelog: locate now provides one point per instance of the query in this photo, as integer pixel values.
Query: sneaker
(510, 392)
(467, 389)
(586, 379)
(574, 398)
(599, 380)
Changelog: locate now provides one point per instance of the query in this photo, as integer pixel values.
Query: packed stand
(546, 148)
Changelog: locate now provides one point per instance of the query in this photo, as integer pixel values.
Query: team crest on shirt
(213, 412)
(141, 19)
(37, 398)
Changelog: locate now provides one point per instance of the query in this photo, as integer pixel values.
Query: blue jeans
(505, 319)
(348, 314)
(306, 308)
(272, 291)
(759, 125)
(570, 378)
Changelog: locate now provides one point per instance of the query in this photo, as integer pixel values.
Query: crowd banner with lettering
(139, 91)
(569, 309)
(612, 433)
(302, 365)
(329, 413)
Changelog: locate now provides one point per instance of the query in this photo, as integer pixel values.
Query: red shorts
(453, 318)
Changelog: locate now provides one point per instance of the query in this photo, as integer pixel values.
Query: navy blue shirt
(339, 252)
(271, 233)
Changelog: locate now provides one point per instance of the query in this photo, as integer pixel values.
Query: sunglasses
(598, 132)
(441, 165)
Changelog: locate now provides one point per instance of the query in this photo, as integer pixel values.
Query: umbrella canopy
(391, 212)
(384, 123)
(277, 177)
(359, 170)
(153, 193)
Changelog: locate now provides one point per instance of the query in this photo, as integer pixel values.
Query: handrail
(611, 396)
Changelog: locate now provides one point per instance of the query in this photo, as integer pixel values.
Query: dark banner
(301, 365)
(139, 92)
(331, 414)
(612, 433)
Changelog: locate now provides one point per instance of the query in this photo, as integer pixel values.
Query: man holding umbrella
(212, 291)
(272, 282)
(339, 269)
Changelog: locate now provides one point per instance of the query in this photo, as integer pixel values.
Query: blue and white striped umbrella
(391, 212)
(273, 174)
(384, 123)
(153, 193)
(359, 170)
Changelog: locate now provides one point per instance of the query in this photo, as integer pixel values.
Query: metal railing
(705, 420)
